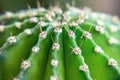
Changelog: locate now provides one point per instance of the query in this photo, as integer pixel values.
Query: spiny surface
(76, 44)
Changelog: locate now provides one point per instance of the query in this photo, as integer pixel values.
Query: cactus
(51, 44)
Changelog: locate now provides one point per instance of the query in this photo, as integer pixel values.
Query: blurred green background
(107, 6)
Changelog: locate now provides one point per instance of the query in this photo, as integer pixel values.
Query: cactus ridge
(51, 44)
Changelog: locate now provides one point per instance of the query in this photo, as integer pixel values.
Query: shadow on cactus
(51, 44)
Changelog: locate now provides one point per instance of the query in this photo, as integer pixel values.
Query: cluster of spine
(76, 44)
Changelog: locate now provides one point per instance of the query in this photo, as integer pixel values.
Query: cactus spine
(76, 44)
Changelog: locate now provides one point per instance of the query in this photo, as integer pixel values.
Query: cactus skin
(40, 44)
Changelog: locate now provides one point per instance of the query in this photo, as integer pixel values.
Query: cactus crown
(51, 44)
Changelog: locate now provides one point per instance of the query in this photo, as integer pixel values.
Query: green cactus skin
(14, 30)
(51, 44)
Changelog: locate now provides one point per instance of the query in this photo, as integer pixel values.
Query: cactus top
(52, 44)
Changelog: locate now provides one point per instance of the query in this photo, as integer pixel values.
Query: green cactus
(51, 44)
